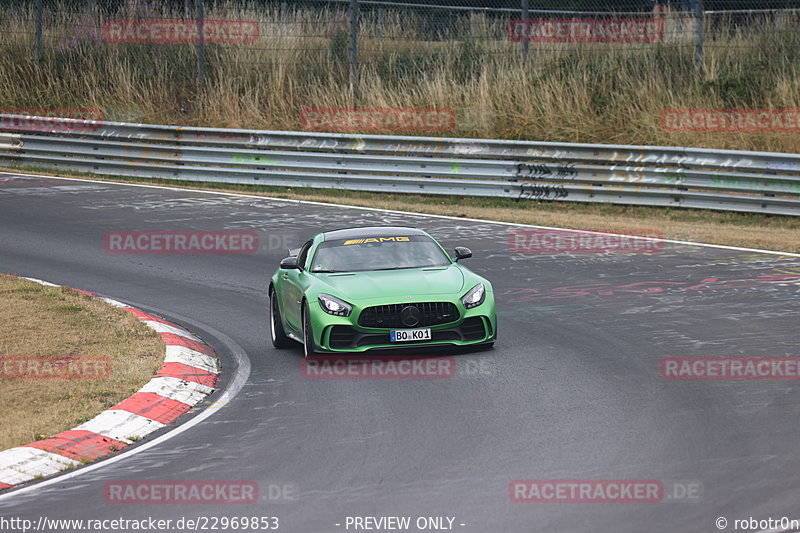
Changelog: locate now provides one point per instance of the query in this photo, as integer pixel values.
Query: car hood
(415, 282)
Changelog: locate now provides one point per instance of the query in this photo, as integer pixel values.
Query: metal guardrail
(759, 182)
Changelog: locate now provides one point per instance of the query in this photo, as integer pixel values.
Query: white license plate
(406, 335)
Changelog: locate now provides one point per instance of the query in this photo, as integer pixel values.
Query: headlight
(334, 306)
(474, 297)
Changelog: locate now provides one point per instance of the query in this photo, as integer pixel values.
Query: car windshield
(378, 253)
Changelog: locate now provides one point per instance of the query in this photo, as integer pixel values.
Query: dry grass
(59, 325)
(611, 93)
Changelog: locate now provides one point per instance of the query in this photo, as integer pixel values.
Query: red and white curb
(188, 375)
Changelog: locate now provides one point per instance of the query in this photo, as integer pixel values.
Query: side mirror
(289, 263)
(463, 253)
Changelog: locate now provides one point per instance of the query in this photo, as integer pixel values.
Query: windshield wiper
(326, 271)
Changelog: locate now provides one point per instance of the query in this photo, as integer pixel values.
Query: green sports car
(359, 289)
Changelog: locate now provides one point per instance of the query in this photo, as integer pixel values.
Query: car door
(293, 283)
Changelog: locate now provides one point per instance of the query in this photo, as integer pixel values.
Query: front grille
(389, 316)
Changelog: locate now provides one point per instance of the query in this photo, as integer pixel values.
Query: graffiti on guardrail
(566, 171)
(527, 170)
(541, 192)
(677, 179)
(667, 172)
(254, 159)
(562, 171)
(752, 184)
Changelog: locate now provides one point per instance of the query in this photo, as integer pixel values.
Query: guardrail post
(699, 14)
(201, 44)
(38, 29)
(525, 15)
(353, 47)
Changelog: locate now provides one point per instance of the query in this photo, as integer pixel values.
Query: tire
(308, 333)
(277, 333)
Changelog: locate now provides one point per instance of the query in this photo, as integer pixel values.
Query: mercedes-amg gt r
(359, 289)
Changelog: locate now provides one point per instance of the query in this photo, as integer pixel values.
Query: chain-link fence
(424, 54)
(356, 32)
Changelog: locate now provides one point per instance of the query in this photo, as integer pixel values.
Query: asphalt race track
(572, 389)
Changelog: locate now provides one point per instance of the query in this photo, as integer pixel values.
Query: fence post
(699, 15)
(38, 29)
(525, 15)
(185, 9)
(381, 18)
(353, 47)
(201, 44)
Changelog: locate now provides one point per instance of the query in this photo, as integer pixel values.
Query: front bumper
(344, 334)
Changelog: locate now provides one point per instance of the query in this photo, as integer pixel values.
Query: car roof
(370, 231)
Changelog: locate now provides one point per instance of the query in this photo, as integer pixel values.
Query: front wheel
(308, 333)
(277, 333)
